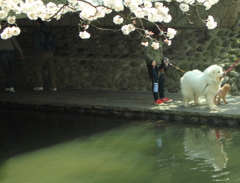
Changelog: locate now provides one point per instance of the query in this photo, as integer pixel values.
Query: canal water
(43, 147)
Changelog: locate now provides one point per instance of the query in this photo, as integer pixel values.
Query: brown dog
(222, 94)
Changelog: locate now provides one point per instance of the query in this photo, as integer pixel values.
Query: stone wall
(116, 62)
(112, 61)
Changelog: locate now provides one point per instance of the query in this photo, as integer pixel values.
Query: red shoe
(158, 102)
(166, 100)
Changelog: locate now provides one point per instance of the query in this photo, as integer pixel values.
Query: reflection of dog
(222, 94)
(207, 146)
(196, 83)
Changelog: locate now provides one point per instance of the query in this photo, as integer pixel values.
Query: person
(7, 56)
(43, 56)
(154, 55)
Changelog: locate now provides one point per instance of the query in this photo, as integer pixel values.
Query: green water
(37, 147)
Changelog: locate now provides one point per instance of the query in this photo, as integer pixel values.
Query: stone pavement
(130, 104)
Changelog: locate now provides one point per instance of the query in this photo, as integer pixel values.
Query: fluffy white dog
(196, 83)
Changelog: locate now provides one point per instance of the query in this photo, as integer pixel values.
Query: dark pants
(160, 80)
(41, 59)
(160, 93)
(7, 59)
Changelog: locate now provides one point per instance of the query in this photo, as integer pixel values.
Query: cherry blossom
(91, 10)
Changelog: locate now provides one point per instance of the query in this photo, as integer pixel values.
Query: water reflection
(60, 148)
(207, 145)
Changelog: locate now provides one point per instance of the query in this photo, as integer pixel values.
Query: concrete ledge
(122, 104)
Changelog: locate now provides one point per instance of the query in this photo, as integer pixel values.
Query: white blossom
(51, 6)
(64, 9)
(11, 19)
(158, 5)
(17, 10)
(153, 15)
(168, 42)
(213, 1)
(26, 7)
(145, 44)
(79, 6)
(118, 19)
(210, 23)
(164, 10)
(189, 1)
(32, 16)
(72, 1)
(208, 5)
(133, 6)
(5, 7)
(201, 1)
(4, 36)
(86, 27)
(16, 1)
(155, 45)
(147, 33)
(184, 7)
(15, 31)
(148, 3)
(58, 16)
(139, 1)
(171, 33)
(29, 1)
(167, 19)
(3, 14)
(108, 3)
(107, 10)
(84, 35)
(127, 29)
(90, 11)
(128, 2)
(139, 13)
(100, 12)
(118, 6)
(7, 33)
(40, 10)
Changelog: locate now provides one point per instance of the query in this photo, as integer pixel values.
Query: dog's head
(215, 72)
(226, 88)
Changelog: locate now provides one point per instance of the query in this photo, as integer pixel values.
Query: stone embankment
(122, 104)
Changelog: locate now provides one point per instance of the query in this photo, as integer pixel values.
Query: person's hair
(39, 20)
(156, 30)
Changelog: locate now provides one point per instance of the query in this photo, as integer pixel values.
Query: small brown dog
(222, 94)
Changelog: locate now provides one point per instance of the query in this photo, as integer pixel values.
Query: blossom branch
(90, 12)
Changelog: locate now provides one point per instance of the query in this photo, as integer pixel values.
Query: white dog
(196, 83)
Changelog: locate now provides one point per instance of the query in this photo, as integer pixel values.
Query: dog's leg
(218, 101)
(185, 102)
(210, 102)
(215, 99)
(224, 99)
(196, 100)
